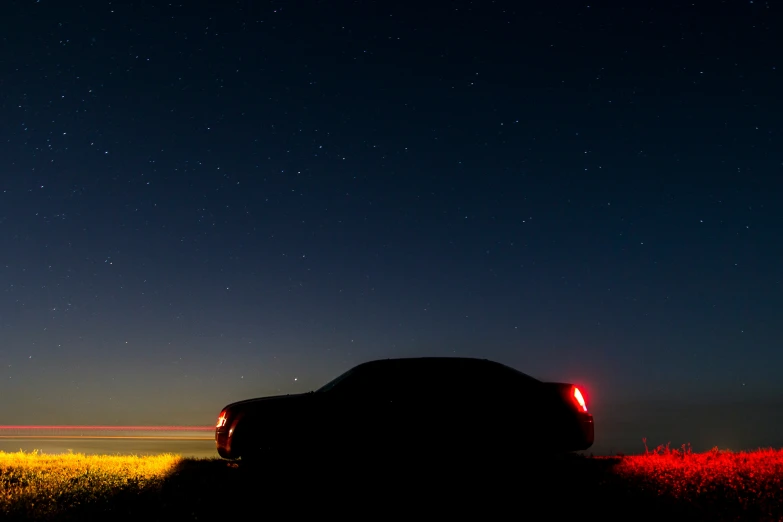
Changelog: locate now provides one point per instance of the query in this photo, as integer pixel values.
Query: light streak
(73, 437)
(107, 428)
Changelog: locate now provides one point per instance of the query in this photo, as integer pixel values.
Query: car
(420, 403)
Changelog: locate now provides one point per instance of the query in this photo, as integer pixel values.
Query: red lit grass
(749, 481)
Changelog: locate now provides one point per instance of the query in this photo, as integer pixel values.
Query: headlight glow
(222, 419)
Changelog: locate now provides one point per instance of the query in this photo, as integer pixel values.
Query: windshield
(337, 380)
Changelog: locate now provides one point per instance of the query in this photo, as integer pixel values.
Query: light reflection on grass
(751, 480)
(674, 483)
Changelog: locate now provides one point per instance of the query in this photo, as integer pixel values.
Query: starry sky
(202, 202)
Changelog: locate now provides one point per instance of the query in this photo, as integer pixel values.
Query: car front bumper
(223, 442)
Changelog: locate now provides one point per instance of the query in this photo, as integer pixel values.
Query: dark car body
(425, 403)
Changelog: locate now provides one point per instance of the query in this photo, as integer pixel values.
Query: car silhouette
(426, 403)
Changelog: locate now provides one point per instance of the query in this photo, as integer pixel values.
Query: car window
(430, 378)
(392, 378)
(361, 380)
(507, 379)
(489, 378)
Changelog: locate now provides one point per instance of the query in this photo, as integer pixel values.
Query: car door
(486, 402)
(362, 410)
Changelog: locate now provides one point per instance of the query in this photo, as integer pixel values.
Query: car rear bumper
(587, 429)
(582, 434)
(577, 434)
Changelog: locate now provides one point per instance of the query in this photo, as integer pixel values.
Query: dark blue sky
(203, 203)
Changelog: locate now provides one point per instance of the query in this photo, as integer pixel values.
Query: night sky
(210, 201)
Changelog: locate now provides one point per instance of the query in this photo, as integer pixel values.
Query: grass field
(39, 487)
(721, 484)
(717, 485)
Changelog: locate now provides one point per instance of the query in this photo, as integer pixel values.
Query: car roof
(425, 360)
(434, 362)
(431, 361)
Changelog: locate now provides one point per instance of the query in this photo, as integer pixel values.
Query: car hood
(272, 399)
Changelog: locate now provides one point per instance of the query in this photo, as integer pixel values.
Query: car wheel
(268, 455)
(249, 446)
(252, 457)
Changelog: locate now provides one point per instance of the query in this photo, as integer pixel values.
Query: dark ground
(369, 487)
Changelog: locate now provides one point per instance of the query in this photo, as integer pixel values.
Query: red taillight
(580, 400)
(222, 420)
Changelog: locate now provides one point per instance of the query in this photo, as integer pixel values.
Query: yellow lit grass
(35, 485)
